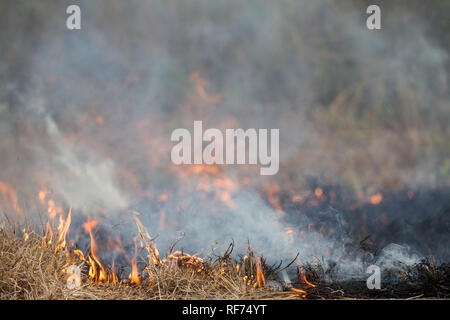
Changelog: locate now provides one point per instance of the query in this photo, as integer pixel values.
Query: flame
(112, 277)
(376, 198)
(134, 275)
(318, 192)
(63, 226)
(9, 196)
(300, 292)
(100, 275)
(260, 280)
(63, 229)
(42, 196)
(47, 239)
(80, 254)
(290, 232)
(25, 234)
(197, 168)
(273, 192)
(99, 120)
(163, 197)
(306, 280)
(200, 87)
(224, 188)
(53, 210)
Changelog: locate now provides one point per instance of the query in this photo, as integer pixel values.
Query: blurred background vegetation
(372, 107)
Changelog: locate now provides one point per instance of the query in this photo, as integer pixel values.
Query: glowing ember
(9, 196)
(318, 192)
(376, 199)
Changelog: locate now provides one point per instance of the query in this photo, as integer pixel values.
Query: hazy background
(87, 114)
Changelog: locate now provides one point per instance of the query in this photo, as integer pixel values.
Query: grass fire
(346, 198)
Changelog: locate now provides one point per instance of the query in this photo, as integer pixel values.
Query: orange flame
(9, 195)
(318, 192)
(47, 239)
(306, 280)
(134, 275)
(260, 280)
(63, 230)
(200, 86)
(376, 198)
(96, 276)
(301, 292)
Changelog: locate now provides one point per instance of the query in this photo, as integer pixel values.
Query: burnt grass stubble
(419, 219)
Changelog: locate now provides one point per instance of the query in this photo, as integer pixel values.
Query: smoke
(88, 114)
(84, 183)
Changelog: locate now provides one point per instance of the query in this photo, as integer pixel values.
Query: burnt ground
(424, 281)
(417, 218)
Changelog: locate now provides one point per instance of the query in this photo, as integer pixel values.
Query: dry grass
(29, 270)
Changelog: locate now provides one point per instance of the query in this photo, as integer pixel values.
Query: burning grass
(32, 267)
(41, 265)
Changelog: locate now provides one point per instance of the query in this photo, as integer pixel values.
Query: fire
(96, 274)
(225, 197)
(290, 232)
(318, 192)
(300, 292)
(9, 196)
(181, 258)
(273, 192)
(42, 196)
(63, 229)
(53, 210)
(200, 87)
(260, 280)
(163, 197)
(134, 275)
(211, 169)
(80, 254)
(211, 179)
(47, 239)
(100, 121)
(225, 183)
(251, 270)
(306, 280)
(376, 198)
(112, 276)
